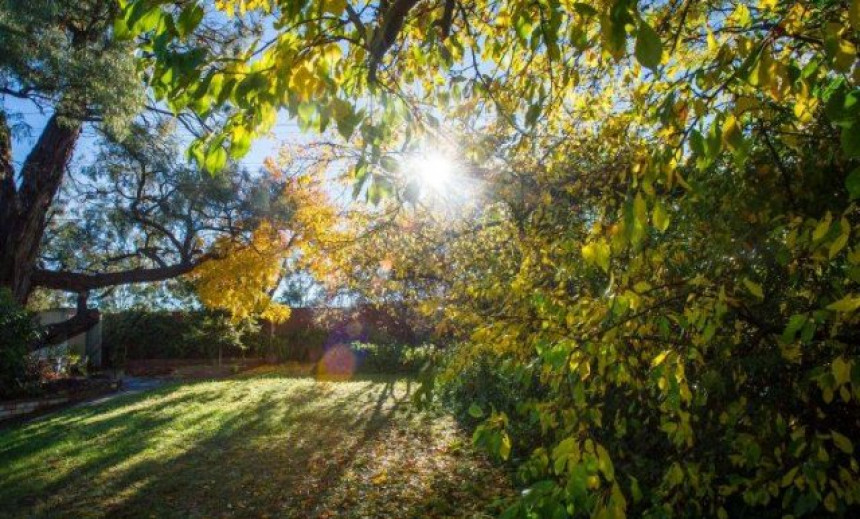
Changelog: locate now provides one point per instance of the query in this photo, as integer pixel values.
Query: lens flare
(338, 363)
(435, 170)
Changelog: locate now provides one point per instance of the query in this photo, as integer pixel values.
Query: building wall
(85, 344)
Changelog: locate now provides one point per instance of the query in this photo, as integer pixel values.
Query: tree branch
(83, 320)
(386, 33)
(83, 281)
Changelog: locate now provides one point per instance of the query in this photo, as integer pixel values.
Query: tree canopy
(661, 258)
(667, 260)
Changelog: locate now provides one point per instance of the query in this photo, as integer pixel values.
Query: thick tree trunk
(24, 208)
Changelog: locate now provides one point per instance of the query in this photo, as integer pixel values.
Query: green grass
(268, 445)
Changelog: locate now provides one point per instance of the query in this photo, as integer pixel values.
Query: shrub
(487, 384)
(140, 334)
(299, 344)
(214, 333)
(18, 332)
(391, 357)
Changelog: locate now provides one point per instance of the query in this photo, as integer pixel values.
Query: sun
(435, 170)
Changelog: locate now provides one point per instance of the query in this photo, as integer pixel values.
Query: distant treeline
(200, 334)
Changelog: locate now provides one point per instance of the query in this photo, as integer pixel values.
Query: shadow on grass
(248, 447)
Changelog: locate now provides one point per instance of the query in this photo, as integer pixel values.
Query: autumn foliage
(663, 249)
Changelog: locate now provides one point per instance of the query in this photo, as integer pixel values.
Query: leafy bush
(391, 357)
(214, 333)
(296, 344)
(18, 332)
(487, 385)
(138, 334)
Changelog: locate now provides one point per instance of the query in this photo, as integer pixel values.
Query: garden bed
(55, 393)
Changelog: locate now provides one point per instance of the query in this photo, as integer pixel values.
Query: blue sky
(23, 111)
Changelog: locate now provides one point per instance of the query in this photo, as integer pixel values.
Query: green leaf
(837, 245)
(851, 141)
(584, 9)
(754, 288)
(635, 491)
(795, 323)
(613, 36)
(346, 127)
(843, 107)
(189, 19)
(640, 209)
(852, 182)
(649, 49)
(121, 30)
(604, 463)
(822, 228)
(533, 113)
(216, 159)
(660, 218)
(307, 111)
(854, 14)
(475, 411)
(240, 142)
(842, 442)
(788, 477)
(141, 19)
(389, 164)
(732, 135)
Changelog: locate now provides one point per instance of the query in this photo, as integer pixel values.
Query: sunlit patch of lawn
(267, 445)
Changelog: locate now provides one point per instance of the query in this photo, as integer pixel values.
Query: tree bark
(82, 281)
(24, 208)
(386, 33)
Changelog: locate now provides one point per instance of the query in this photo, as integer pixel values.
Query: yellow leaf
(754, 288)
(846, 54)
(841, 370)
(712, 42)
(597, 253)
(380, 478)
(335, 7)
(846, 304)
(837, 245)
(762, 74)
(505, 448)
(732, 136)
(642, 286)
(659, 359)
(822, 227)
(741, 15)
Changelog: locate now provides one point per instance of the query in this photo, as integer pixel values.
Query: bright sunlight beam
(435, 170)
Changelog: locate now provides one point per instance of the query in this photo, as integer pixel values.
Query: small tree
(17, 332)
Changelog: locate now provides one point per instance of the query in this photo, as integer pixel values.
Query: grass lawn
(265, 445)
